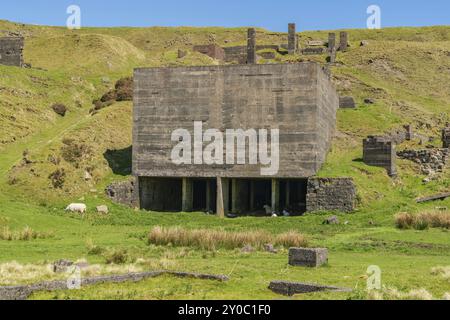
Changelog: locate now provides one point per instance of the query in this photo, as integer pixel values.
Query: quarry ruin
(299, 100)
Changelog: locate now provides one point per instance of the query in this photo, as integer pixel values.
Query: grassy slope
(405, 69)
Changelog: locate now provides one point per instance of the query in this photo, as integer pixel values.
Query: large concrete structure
(11, 49)
(297, 99)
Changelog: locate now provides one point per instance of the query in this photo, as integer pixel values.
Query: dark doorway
(160, 194)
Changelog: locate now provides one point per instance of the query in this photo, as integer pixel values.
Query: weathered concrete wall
(380, 152)
(298, 99)
(11, 49)
(331, 194)
(211, 50)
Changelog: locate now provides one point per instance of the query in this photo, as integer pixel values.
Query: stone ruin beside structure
(11, 51)
(249, 53)
(380, 152)
(212, 50)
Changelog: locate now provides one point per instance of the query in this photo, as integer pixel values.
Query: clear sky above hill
(273, 15)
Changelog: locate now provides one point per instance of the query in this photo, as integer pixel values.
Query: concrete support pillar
(288, 193)
(275, 195)
(292, 39)
(235, 194)
(208, 195)
(222, 197)
(187, 195)
(343, 45)
(251, 46)
(331, 42)
(252, 195)
(136, 200)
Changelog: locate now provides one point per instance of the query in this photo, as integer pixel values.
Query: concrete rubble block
(347, 102)
(305, 257)
(288, 288)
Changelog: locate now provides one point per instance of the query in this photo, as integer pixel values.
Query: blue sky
(270, 14)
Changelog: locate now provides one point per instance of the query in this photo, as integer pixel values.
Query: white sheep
(77, 207)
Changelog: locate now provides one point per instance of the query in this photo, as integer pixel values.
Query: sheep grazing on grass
(77, 207)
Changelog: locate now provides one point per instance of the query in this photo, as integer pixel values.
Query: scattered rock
(364, 43)
(270, 248)
(332, 220)
(181, 54)
(87, 176)
(247, 249)
(59, 109)
(82, 265)
(369, 101)
(62, 265)
(431, 161)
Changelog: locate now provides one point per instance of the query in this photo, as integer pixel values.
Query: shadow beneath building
(120, 161)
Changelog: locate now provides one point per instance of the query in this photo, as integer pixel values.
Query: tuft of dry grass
(26, 234)
(441, 271)
(395, 294)
(214, 239)
(424, 220)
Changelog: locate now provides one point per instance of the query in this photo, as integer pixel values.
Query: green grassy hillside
(405, 70)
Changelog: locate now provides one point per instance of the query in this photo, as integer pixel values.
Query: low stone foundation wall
(431, 161)
(446, 137)
(331, 194)
(123, 193)
(287, 288)
(23, 292)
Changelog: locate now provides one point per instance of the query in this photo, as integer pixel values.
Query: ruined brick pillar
(331, 42)
(380, 152)
(251, 46)
(446, 137)
(343, 44)
(292, 39)
(409, 132)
